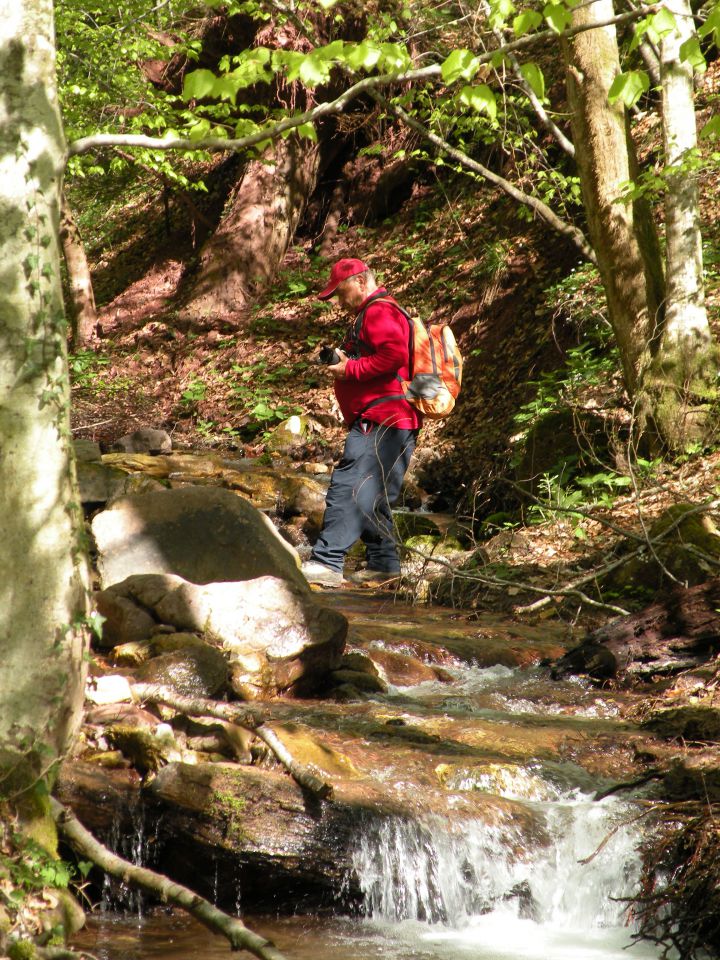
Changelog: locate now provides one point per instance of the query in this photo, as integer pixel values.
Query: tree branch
(536, 205)
(366, 85)
(84, 843)
(241, 717)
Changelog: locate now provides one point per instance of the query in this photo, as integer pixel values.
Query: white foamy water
(484, 891)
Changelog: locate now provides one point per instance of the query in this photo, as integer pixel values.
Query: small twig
(606, 839)
(653, 774)
(84, 843)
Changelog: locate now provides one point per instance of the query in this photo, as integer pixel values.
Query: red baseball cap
(341, 271)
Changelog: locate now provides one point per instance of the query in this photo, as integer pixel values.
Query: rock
(144, 440)
(125, 622)
(198, 671)
(200, 534)
(275, 637)
(108, 689)
(316, 469)
(310, 752)
(86, 451)
(288, 434)
(687, 538)
(403, 670)
(359, 680)
(691, 722)
(99, 483)
(148, 749)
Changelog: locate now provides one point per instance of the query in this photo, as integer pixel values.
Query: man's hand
(338, 369)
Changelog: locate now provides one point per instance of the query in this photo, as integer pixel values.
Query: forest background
(531, 174)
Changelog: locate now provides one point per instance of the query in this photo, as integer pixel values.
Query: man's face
(352, 292)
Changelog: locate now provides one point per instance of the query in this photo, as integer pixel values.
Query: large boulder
(274, 635)
(201, 534)
(144, 440)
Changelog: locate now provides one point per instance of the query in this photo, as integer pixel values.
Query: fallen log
(679, 632)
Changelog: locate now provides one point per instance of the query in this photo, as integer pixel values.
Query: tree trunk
(83, 315)
(43, 593)
(682, 380)
(623, 235)
(243, 255)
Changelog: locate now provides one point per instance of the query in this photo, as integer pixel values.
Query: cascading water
(472, 880)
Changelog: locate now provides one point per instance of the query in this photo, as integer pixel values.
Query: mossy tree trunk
(43, 590)
(243, 255)
(681, 383)
(623, 235)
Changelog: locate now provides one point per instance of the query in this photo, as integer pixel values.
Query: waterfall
(571, 877)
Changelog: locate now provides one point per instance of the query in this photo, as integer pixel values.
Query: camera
(328, 356)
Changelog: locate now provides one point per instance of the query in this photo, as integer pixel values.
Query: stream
(546, 881)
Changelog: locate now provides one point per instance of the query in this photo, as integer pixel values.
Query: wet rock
(198, 671)
(144, 440)
(403, 670)
(359, 681)
(309, 751)
(201, 534)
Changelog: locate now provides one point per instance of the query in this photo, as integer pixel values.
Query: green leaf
(480, 98)
(500, 11)
(629, 87)
(711, 128)
(314, 70)
(394, 56)
(534, 77)
(662, 23)
(460, 65)
(691, 53)
(526, 21)
(711, 25)
(558, 18)
(308, 131)
(199, 84)
(362, 56)
(327, 4)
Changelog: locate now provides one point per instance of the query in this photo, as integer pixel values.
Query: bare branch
(241, 717)
(84, 843)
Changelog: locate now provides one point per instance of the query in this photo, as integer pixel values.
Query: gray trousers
(364, 485)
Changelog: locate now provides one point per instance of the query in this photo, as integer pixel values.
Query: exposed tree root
(679, 905)
(83, 842)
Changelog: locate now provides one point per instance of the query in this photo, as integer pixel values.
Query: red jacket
(385, 343)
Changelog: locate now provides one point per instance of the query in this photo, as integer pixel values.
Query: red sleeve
(386, 329)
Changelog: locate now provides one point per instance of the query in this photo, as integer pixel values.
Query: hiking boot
(375, 578)
(315, 572)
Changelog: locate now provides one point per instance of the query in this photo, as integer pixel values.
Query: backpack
(435, 365)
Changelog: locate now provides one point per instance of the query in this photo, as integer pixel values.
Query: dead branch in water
(84, 843)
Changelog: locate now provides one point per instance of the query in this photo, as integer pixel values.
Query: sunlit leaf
(526, 21)
(199, 84)
(460, 65)
(480, 98)
(629, 87)
(363, 56)
(711, 128)
(557, 16)
(535, 78)
(691, 53)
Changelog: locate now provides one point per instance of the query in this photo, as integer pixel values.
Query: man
(383, 429)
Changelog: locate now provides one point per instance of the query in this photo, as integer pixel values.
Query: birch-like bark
(681, 383)
(43, 587)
